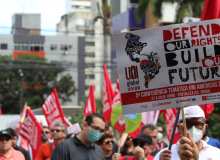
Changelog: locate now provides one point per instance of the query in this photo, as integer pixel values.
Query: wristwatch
(142, 158)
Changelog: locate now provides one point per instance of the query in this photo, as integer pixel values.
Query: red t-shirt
(133, 158)
(15, 155)
(44, 152)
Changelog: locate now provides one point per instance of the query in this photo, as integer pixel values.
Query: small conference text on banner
(170, 66)
(53, 111)
(75, 129)
(31, 130)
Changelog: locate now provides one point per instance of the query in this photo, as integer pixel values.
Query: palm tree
(185, 8)
(105, 15)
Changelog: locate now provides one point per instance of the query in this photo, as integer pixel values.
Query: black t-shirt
(74, 149)
(154, 153)
(109, 158)
(24, 152)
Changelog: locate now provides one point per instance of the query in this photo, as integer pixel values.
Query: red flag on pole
(211, 10)
(170, 117)
(117, 96)
(207, 108)
(107, 96)
(31, 131)
(53, 111)
(0, 110)
(21, 120)
(90, 106)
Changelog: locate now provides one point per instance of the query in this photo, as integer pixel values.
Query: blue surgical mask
(93, 136)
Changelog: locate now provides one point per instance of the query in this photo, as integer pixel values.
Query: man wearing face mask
(160, 143)
(196, 126)
(83, 146)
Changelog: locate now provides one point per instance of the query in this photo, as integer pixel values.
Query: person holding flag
(196, 125)
(59, 132)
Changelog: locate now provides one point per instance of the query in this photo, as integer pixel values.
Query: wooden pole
(184, 122)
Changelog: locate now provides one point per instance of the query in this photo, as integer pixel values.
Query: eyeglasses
(141, 144)
(98, 129)
(57, 130)
(198, 125)
(4, 139)
(108, 141)
(160, 131)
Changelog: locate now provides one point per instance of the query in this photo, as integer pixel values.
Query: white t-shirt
(207, 153)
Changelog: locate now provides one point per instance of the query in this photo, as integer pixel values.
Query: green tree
(184, 8)
(40, 77)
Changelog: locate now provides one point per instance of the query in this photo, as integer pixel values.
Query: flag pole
(174, 128)
(48, 140)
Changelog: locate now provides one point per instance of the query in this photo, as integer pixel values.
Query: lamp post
(21, 90)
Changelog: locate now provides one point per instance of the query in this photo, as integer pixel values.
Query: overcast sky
(50, 10)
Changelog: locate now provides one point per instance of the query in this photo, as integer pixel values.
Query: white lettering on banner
(88, 108)
(50, 104)
(106, 106)
(34, 138)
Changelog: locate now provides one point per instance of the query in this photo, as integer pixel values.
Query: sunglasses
(128, 138)
(4, 139)
(141, 144)
(57, 130)
(47, 132)
(108, 141)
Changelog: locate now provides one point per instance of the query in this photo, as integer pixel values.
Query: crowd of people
(96, 142)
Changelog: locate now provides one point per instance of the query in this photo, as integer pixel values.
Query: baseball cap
(192, 112)
(5, 133)
(144, 138)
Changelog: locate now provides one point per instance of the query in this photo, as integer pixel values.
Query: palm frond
(141, 10)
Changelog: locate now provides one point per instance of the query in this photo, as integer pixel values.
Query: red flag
(207, 108)
(0, 110)
(53, 111)
(117, 96)
(31, 131)
(107, 96)
(90, 106)
(211, 10)
(21, 120)
(170, 117)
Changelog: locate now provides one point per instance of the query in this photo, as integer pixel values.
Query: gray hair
(63, 126)
(150, 126)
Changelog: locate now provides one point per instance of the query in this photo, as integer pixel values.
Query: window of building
(53, 47)
(65, 47)
(17, 47)
(90, 55)
(4, 46)
(89, 32)
(89, 22)
(90, 65)
(90, 43)
(88, 87)
(24, 47)
(91, 76)
(36, 47)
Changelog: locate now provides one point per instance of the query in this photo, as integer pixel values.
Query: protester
(128, 147)
(83, 145)
(111, 131)
(160, 143)
(142, 151)
(151, 130)
(14, 138)
(59, 132)
(211, 141)
(196, 125)
(71, 135)
(43, 137)
(106, 143)
(7, 152)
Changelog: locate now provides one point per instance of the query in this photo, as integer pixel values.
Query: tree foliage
(184, 8)
(39, 77)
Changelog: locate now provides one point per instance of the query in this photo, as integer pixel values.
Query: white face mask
(121, 122)
(159, 135)
(196, 133)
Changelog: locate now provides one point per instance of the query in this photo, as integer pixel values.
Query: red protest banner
(211, 10)
(21, 120)
(117, 96)
(31, 131)
(53, 111)
(90, 106)
(0, 110)
(107, 96)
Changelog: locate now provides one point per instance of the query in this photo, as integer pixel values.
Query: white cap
(192, 112)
